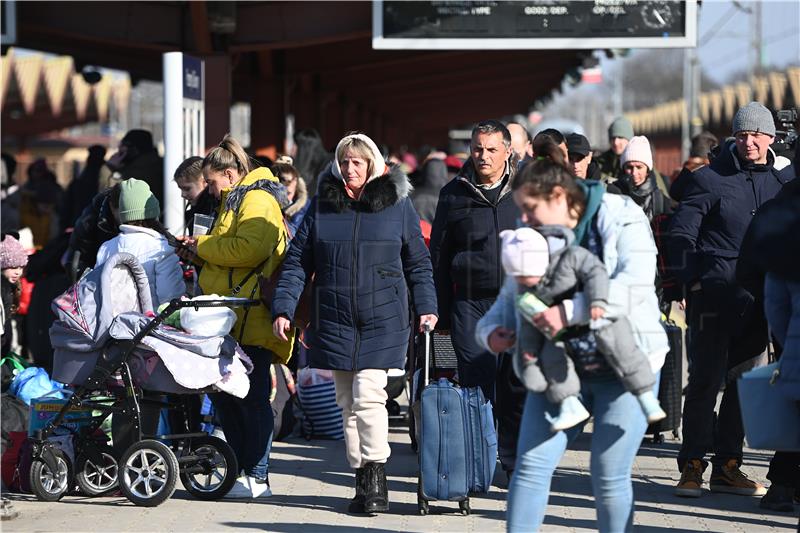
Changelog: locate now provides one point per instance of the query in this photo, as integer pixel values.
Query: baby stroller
(112, 348)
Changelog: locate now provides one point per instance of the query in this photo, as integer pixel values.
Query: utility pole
(619, 88)
(757, 46)
(692, 124)
(758, 42)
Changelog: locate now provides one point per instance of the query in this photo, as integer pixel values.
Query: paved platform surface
(312, 484)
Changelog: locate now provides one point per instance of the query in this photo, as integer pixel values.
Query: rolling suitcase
(444, 364)
(458, 442)
(670, 389)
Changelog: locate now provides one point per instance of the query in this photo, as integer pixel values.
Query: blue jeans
(619, 427)
(248, 422)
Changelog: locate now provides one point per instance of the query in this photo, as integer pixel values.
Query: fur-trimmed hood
(378, 194)
(379, 164)
(300, 199)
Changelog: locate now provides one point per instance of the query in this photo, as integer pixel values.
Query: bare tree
(652, 77)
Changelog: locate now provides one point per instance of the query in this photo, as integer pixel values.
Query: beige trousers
(362, 397)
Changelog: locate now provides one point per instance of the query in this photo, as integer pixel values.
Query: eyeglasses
(743, 135)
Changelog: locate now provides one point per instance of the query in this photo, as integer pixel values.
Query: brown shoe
(691, 483)
(729, 478)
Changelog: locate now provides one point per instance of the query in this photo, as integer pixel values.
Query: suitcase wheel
(422, 503)
(464, 507)
(422, 507)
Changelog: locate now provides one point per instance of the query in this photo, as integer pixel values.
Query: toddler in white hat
(548, 270)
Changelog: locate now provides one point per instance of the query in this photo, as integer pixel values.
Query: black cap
(141, 139)
(578, 144)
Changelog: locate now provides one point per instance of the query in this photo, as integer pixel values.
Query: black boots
(376, 498)
(357, 503)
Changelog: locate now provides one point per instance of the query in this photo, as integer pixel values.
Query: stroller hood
(85, 311)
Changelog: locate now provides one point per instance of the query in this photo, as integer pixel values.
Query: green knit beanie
(621, 127)
(136, 202)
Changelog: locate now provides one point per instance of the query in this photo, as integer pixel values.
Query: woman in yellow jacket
(248, 236)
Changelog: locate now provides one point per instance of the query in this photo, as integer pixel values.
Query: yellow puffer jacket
(235, 246)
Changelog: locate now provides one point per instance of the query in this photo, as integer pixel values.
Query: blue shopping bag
(34, 382)
(771, 418)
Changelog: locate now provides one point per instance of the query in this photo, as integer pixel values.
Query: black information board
(534, 24)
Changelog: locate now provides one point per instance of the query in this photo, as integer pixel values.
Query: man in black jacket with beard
(727, 321)
(473, 209)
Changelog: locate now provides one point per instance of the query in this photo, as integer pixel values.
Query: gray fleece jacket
(571, 268)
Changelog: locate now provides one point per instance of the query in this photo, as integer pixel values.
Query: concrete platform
(312, 485)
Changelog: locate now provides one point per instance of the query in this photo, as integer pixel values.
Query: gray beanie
(754, 117)
(621, 127)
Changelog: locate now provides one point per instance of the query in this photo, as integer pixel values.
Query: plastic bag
(34, 382)
(308, 376)
(207, 321)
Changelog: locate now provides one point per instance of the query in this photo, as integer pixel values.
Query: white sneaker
(259, 489)
(571, 414)
(248, 488)
(241, 489)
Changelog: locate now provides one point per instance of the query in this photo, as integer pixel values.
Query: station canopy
(311, 59)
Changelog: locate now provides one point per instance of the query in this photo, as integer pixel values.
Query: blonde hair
(360, 148)
(228, 154)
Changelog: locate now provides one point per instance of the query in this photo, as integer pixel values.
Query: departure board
(581, 24)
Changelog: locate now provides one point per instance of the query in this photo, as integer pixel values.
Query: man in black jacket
(473, 209)
(728, 324)
(772, 245)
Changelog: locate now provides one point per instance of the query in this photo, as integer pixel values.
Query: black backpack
(15, 416)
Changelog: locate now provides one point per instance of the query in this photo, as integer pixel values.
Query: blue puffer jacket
(717, 206)
(364, 256)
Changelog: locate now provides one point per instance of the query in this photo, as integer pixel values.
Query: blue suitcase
(458, 442)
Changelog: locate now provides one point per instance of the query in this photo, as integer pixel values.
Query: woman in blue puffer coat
(361, 242)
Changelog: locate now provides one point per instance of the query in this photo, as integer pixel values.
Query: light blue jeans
(619, 427)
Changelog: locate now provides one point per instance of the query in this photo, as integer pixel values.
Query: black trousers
(510, 399)
(476, 366)
(726, 331)
(493, 374)
(784, 469)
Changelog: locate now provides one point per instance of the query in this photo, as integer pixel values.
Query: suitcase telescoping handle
(427, 329)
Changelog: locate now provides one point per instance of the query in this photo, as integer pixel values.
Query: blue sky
(730, 48)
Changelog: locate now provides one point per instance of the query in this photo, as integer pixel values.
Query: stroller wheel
(97, 476)
(49, 485)
(209, 468)
(148, 473)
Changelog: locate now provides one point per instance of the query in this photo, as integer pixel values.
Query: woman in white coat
(615, 229)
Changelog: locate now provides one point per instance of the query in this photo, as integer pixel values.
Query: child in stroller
(142, 235)
(110, 345)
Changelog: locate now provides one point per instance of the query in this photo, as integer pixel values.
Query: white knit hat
(638, 149)
(380, 165)
(525, 252)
